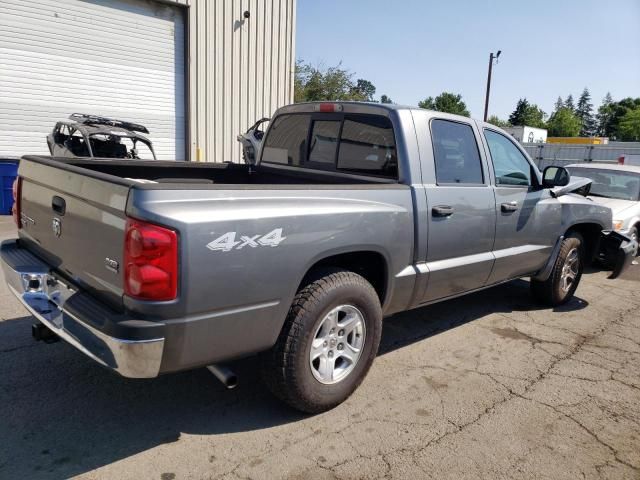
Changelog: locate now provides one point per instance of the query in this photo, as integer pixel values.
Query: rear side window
(367, 146)
(455, 149)
(286, 142)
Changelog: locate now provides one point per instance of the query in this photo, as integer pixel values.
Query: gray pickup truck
(353, 212)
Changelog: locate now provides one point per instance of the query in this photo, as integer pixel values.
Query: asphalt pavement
(487, 386)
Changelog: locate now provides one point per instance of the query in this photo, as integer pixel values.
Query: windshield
(611, 183)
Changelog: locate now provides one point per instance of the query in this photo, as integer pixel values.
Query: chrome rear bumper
(45, 296)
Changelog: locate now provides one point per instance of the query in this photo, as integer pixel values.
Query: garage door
(120, 58)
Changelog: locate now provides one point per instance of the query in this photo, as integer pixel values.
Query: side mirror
(555, 177)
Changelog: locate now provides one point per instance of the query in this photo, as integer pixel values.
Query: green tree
(564, 123)
(315, 83)
(517, 116)
(584, 112)
(365, 89)
(498, 122)
(605, 114)
(619, 110)
(446, 102)
(629, 127)
(559, 104)
(385, 99)
(569, 103)
(527, 114)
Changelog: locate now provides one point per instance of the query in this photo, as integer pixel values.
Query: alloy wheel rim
(337, 344)
(570, 270)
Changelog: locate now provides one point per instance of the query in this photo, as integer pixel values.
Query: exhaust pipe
(225, 375)
(41, 333)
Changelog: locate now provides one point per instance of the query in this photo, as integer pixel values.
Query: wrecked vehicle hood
(575, 183)
(617, 205)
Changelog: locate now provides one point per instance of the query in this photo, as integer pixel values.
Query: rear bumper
(617, 251)
(59, 307)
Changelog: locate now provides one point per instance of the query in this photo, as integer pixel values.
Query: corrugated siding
(117, 58)
(240, 70)
(125, 58)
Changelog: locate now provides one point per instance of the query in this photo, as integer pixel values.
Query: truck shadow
(63, 415)
(414, 325)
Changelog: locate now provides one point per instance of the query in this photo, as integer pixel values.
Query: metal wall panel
(563, 154)
(240, 70)
(120, 58)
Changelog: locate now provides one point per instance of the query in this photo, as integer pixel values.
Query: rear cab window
(362, 144)
(286, 142)
(324, 142)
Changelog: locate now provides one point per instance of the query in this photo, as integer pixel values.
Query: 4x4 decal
(228, 242)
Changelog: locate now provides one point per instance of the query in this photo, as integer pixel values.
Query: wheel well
(591, 234)
(371, 265)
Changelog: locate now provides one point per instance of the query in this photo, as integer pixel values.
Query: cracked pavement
(486, 386)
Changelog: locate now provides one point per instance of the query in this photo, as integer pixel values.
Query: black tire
(551, 291)
(286, 368)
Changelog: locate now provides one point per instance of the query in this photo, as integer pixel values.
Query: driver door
(527, 217)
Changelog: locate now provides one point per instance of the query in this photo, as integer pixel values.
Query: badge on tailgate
(56, 226)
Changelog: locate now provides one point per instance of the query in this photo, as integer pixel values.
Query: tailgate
(75, 222)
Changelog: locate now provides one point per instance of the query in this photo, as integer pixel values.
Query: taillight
(151, 261)
(17, 194)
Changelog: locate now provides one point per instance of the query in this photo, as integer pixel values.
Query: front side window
(286, 142)
(510, 166)
(367, 145)
(455, 150)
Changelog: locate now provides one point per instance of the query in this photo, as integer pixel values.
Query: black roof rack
(88, 119)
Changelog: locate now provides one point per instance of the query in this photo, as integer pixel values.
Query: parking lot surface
(487, 386)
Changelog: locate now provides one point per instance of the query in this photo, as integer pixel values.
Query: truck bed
(245, 241)
(168, 172)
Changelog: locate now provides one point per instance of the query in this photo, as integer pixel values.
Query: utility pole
(486, 100)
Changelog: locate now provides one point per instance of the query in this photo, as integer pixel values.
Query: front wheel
(561, 285)
(327, 344)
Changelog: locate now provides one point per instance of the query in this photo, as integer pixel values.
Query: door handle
(509, 207)
(59, 205)
(442, 211)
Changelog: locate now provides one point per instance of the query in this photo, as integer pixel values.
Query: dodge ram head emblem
(56, 225)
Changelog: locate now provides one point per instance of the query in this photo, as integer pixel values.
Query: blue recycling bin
(8, 173)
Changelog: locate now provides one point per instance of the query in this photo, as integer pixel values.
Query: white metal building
(526, 134)
(195, 72)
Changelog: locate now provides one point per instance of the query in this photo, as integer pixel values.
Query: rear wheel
(565, 275)
(327, 344)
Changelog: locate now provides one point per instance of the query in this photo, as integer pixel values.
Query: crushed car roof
(89, 119)
(96, 125)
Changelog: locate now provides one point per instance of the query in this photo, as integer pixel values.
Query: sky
(412, 49)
